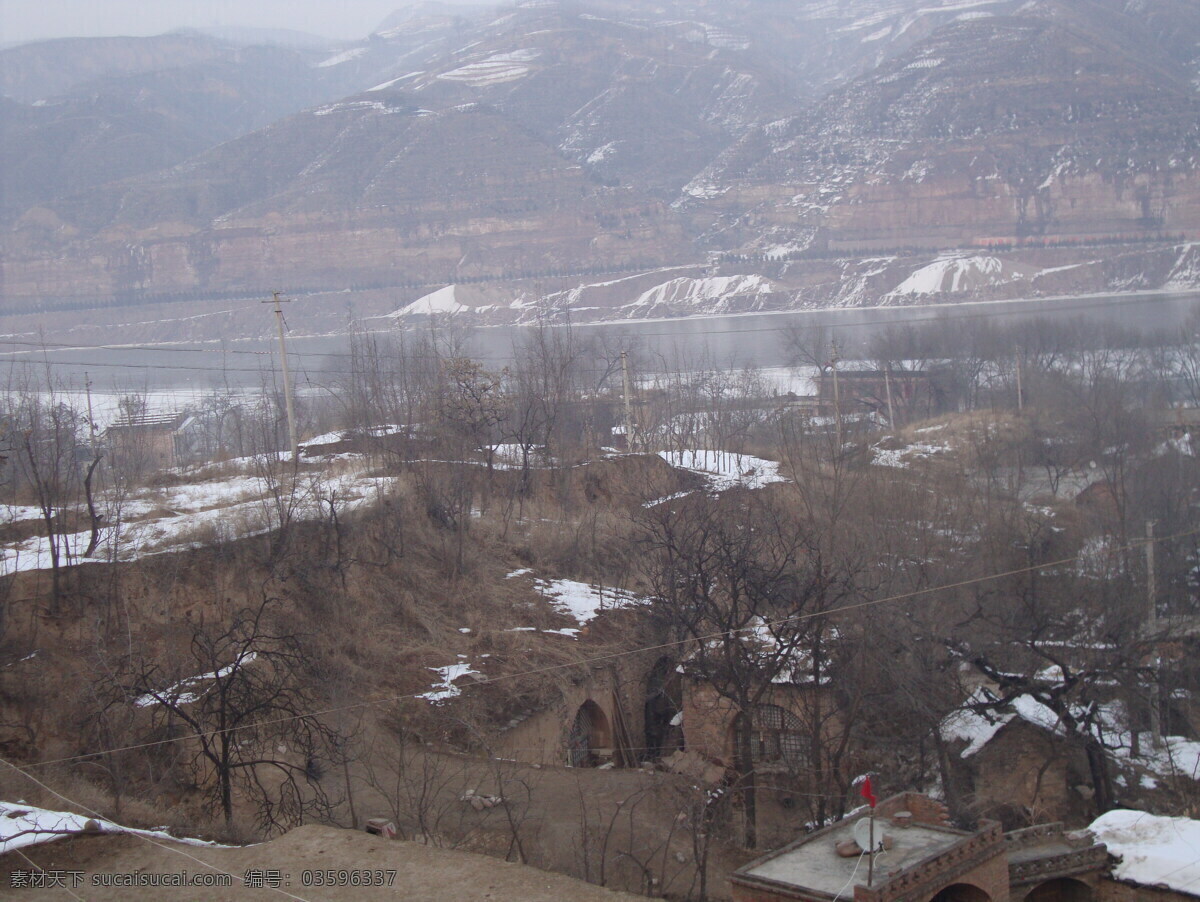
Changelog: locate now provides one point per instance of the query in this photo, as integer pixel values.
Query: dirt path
(421, 873)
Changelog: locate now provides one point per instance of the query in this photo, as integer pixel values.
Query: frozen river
(735, 340)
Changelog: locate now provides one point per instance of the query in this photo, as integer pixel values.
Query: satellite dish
(862, 835)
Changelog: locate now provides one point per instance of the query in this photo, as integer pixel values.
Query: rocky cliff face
(1047, 123)
(362, 192)
(608, 135)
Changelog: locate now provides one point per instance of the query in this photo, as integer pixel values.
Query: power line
(946, 314)
(140, 835)
(614, 656)
(70, 892)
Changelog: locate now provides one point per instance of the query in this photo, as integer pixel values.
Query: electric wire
(142, 836)
(942, 314)
(69, 890)
(614, 656)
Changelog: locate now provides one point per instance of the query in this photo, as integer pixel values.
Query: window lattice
(777, 736)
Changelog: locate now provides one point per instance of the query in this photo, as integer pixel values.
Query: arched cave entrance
(1064, 889)
(664, 702)
(962, 892)
(590, 740)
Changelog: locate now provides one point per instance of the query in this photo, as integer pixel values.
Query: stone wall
(541, 738)
(1025, 775)
(978, 860)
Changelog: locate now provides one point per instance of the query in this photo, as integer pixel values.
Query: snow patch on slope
(494, 70)
(1154, 850)
(582, 601)
(358, 106)
(441, 301)
(187, 691)
(707, 295)
(949, 275)
(445, 689)
(725, 469)
(1186, 271)
(39, 825)
(344, 57)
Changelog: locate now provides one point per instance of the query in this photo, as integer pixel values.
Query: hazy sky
(27, 20)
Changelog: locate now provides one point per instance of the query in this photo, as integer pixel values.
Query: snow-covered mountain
(776, 149)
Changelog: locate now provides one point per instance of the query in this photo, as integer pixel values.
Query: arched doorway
(590, 739)
(962, 892)
(661, 712)
(1064, 889)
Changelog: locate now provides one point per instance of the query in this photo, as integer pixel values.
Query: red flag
(867, 793)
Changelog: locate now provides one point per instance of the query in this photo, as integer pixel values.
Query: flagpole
(869, 794)
(871, 853)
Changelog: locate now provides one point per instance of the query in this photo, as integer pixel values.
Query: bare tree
(744, 579)
(245, 713)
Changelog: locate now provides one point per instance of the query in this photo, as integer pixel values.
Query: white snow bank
(1181, 446)
(901, 457)
(344, 57)
(584, 602)
(725, 469)
(1154, 850)
(494, 70)
(358, 106)
(707, 295)
(441, 301)
(1173, 755)
(445, 689)
(189, 515)
(187, 691)
(955, 274)
(38, 825)
(333, 438)
(666, 498)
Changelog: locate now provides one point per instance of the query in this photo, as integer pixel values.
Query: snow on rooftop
(1154, 850)
(27, 825)
(726, 469)
(977, 729)
(1170, 756)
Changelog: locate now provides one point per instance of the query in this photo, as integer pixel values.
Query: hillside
(562, 139)
(420, 872)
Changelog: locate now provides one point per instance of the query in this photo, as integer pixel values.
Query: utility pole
(1152, 634)
(287, 378)
(837, 399)
(87, 384)
(887, 383)
(1020, 393)
(628, 405)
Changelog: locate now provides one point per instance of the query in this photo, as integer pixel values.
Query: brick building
(924, 859)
